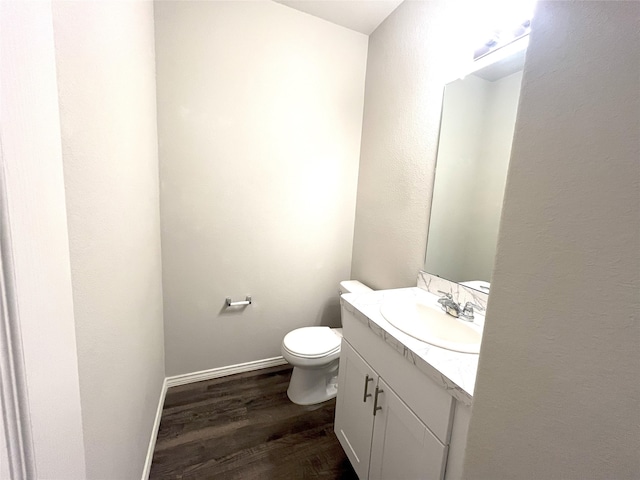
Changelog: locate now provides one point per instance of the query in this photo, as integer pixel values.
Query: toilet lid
(312, 342)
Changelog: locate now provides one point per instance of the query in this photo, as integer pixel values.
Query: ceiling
(363, 16)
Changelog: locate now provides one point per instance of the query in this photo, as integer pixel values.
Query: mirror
(476, 131)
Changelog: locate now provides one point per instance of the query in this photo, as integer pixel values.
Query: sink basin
(430, 324)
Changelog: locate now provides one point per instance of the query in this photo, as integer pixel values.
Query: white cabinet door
(354, 408)
(403, 448)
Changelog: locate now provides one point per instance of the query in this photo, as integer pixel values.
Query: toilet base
(310, 386)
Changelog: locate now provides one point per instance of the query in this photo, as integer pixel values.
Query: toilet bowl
(314, 353)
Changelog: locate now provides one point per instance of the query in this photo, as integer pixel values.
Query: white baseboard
(154, 432)
(198, 377)
(223, 371)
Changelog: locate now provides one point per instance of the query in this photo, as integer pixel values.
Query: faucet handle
(446, 294)
(467, 311)
(471, 306)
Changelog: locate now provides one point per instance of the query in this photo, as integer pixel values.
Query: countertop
(454, 371)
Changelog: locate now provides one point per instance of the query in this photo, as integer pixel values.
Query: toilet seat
(311, 342)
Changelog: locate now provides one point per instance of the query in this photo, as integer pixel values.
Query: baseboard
(154, 432)
(223, 371)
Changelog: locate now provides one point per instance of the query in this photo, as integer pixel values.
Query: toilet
(314, 353)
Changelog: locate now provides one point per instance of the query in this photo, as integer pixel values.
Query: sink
(430, 324)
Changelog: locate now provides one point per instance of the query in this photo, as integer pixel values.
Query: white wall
(412, 54)
(4, 453)
(259, 118)
(105, 62)
(34, 211)
(557, 392)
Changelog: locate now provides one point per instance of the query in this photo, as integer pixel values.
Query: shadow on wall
(329, 314)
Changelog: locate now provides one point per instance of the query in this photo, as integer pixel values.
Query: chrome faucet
(453, 308)
(449, 305)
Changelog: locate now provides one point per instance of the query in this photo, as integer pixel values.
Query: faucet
(453, 308)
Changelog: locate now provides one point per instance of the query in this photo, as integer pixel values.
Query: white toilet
(314, 353)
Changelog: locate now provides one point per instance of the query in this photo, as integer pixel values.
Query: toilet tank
(352, 286)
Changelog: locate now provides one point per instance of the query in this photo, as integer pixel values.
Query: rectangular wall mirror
(476, 132)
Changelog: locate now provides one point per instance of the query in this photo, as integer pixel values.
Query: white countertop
(454, 371)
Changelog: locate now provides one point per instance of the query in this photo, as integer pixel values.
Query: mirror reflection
(476, 131)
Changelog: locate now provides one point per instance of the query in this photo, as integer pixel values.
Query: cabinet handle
(367, 379)
(375, 401)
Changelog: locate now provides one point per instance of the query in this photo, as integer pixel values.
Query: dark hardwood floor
(244, 427)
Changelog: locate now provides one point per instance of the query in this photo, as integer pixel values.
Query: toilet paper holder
(246, 301)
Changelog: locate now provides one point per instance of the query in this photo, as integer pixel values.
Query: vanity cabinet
(380, 434)
(393, 421)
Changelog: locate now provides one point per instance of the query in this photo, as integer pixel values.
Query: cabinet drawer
(429, 401)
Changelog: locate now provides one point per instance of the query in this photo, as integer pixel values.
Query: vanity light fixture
(494, 30)
(501, 53)
(496, 55)
(502, 38)
(498, 23)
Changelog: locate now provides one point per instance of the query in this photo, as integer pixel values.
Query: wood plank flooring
(244, 427)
